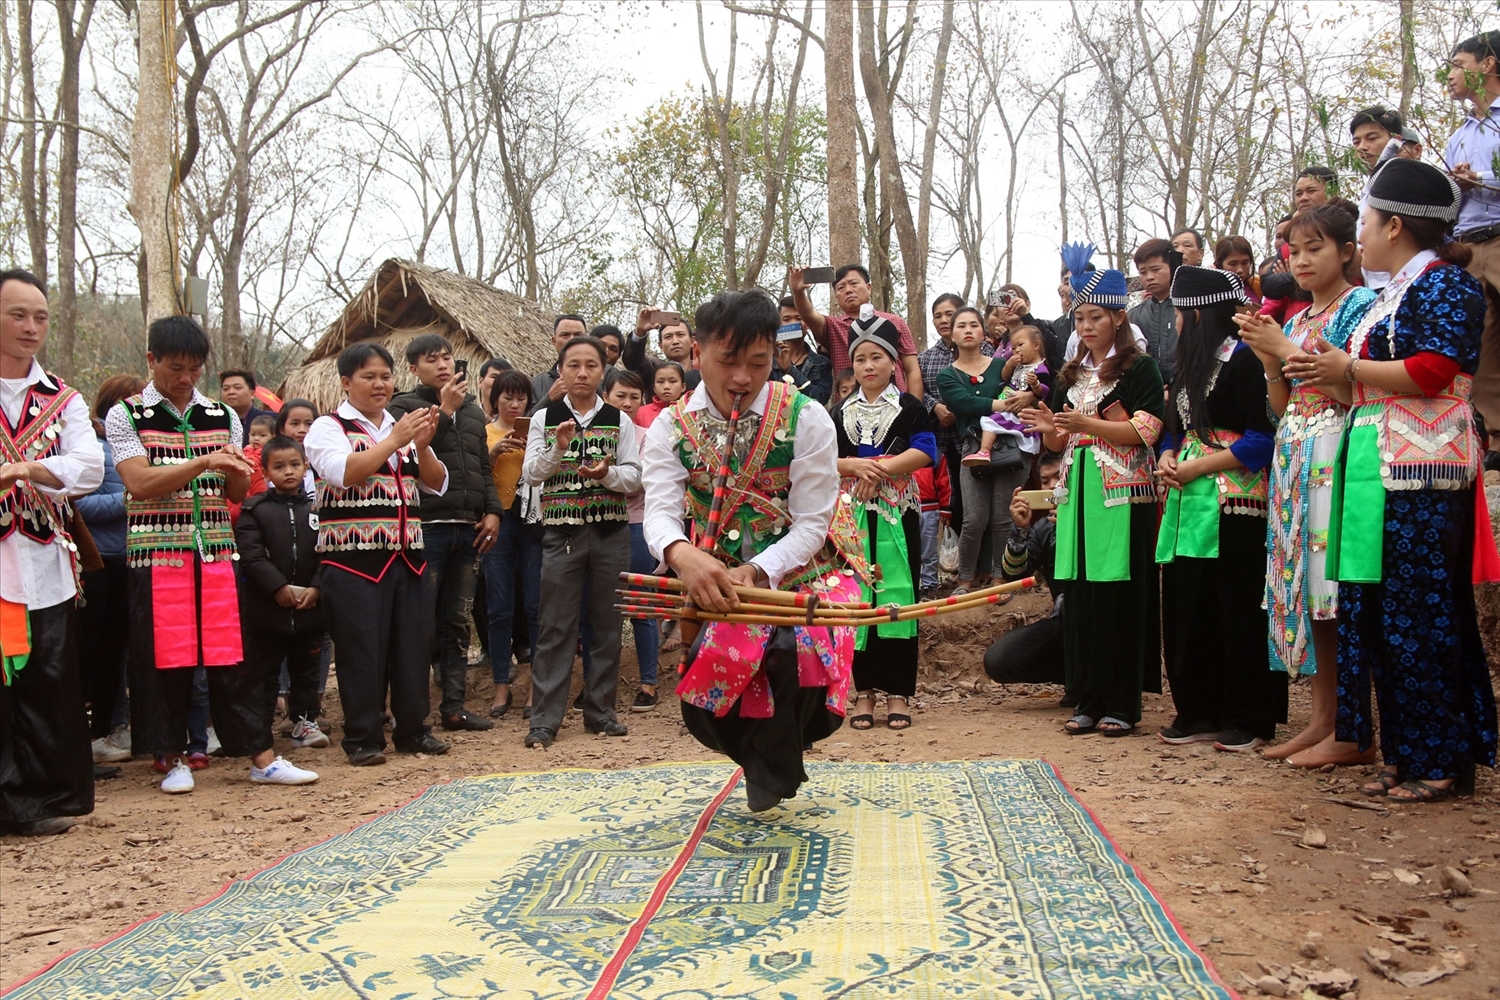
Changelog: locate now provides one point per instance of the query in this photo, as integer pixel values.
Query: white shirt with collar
(36, 575)
(810, 502)
(623, 476)
(328, 448)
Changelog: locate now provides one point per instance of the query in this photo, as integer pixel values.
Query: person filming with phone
(851, 294)
(460, 526)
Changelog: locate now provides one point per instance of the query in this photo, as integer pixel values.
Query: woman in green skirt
(1105, 416)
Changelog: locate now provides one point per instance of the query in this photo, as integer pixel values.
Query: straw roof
(405, 299)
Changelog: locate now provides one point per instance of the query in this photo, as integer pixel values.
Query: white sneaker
(120, 738)
(179, 779)
(307, 734)
(214, 746)
(106, 752)
(282, 772)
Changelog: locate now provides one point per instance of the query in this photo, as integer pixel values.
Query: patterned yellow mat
(975, 880)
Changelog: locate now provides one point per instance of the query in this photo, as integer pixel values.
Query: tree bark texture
(843, 176)
(151, 159)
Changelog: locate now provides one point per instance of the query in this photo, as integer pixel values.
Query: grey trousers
(986, 506)
(579, 559)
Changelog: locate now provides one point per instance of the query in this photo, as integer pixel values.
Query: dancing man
(758, 693)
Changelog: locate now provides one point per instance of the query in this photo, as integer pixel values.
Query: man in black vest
(460, 526)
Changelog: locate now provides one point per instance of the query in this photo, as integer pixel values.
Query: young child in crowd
(667, 385)
(623, 392)
(1025, 370)
(936, 492)
(279, 570)
(262, 429)
(843, 385)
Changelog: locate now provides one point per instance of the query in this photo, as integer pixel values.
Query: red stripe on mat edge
(5, 990)
(611, 971)
(1208, 963)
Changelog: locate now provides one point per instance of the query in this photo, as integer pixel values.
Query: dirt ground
(1219, 836)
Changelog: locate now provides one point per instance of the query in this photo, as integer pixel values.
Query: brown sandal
(1382, 785)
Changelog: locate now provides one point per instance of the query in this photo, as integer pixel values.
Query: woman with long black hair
(1410, 532)
(1106, 411)
(1213, 531)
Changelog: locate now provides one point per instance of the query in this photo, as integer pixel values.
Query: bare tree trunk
(151, 158)
(720, 108)
(1408, 55)
(1062, 167)
(34, 186)
(843, 178)
(64, 325)
(916, 287)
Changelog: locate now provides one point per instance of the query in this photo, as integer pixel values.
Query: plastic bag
(948, 551)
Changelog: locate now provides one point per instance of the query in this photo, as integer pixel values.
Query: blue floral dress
(1414, 635)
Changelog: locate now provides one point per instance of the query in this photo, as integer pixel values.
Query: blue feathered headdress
(1077, 257)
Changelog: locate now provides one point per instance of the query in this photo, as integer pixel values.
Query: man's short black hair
(1481, 46)
(356, 356)
(843, 271)
(743, 317)
(493, 363)
(1197, 236)
(608, 330)
(562, 316)
(510, 382)
(948, 297)
(425, 344)
(1377, 114)
(593, 342)
(1327, 176)
(229, 373)
(788, 302)
(1049, 458)
(178, 337)
(23, 275)
(277, 444)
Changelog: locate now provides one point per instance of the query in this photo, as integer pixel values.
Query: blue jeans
(647, 631)
(931, 529)
(451, 563)
(515, 559)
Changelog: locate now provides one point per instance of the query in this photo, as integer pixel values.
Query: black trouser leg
(46, 768)
(358, 613)
(103, 634)
(1032, 654)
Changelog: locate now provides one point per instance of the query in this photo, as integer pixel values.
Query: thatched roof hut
(405, 299)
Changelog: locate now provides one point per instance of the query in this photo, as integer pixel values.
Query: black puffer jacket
(459, 444)
(277, 538)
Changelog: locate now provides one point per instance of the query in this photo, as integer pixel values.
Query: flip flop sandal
(1080, 724)
(1118, 728)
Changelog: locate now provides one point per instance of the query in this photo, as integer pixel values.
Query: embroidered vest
(568, 498)
(35, 436)
(366, 522)
(754, 514)
(1127, 470)
(1240, 490)
(1426, 443)
(167, 530)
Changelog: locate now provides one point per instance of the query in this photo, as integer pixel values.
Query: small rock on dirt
(1314, 837)
(1271, 986)
(1455, 882)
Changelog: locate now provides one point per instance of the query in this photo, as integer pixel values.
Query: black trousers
(770, 750)
(159, 699)
(264, 652)
(1031, 654)
(103, 637)
(1214, 629)
(46, 768)
(382, 632)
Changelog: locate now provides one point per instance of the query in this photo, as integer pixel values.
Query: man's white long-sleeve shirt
(623, 476)
(328, 448)
(33, 574)
(810, 501)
